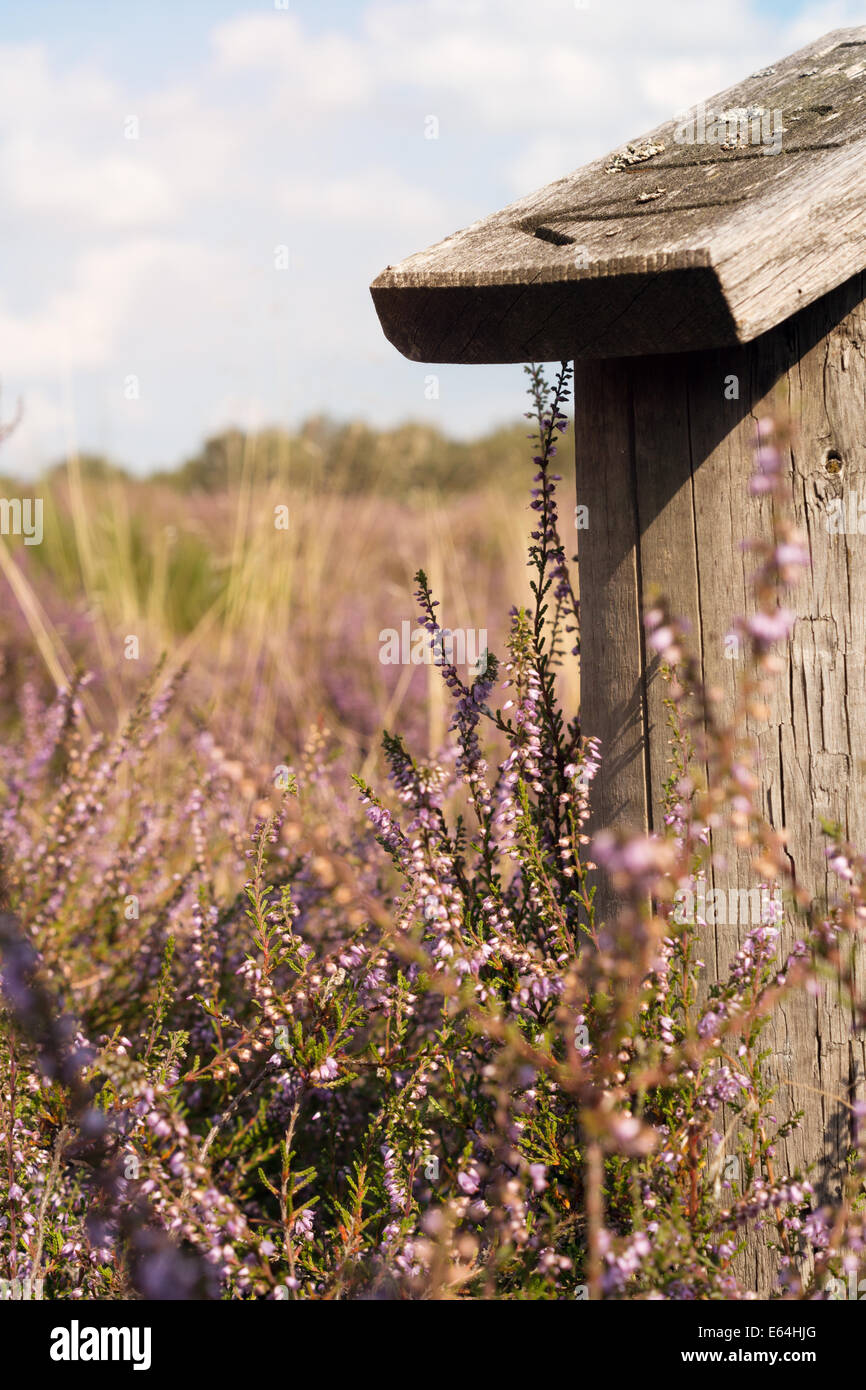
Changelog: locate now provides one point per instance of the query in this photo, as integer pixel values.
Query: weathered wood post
(709, 273)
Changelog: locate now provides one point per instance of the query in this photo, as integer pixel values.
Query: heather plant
(381, 1042)
(273, 620)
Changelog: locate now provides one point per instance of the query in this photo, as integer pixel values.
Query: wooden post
(667, 492)
(663, 270)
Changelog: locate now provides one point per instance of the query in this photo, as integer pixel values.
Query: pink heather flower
(760, 484)
(325, 1071)
(637, 856)
(816, 1228)
(768, 459)
(630, 1135)
(839, 864)
(661, 638)
(791, 555)
(538, 1174)
(469, 1181)
(767, 628)
(709, 1024)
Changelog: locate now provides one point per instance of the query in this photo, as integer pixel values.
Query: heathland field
(318, 979)
(268, 566)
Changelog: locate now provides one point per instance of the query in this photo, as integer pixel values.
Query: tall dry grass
(279, 628)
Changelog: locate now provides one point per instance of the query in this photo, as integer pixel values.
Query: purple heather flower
(767, 628)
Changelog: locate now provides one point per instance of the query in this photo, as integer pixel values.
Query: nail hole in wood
(833, 461)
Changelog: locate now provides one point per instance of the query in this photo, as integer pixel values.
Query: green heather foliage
(373, 1041)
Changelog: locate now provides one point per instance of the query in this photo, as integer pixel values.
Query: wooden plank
(611, 661)
(823, 741)
(692, 247)
(690, 458)
(668, 555)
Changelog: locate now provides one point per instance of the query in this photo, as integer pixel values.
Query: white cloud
(42, 432)
(36, 94)
(821, 19)
(363, 198)
(114, 190)
(315, 71)
(86, 324)
(544, 64)
(80, 148)
(157, 253)
(72, 329)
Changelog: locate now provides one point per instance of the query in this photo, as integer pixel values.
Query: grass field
(278, 625)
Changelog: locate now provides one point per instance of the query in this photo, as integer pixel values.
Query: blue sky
(143, 299)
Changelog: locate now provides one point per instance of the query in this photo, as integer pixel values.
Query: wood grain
(696, 246)
(683, 495)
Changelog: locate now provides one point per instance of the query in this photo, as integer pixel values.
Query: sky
(194, 197)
